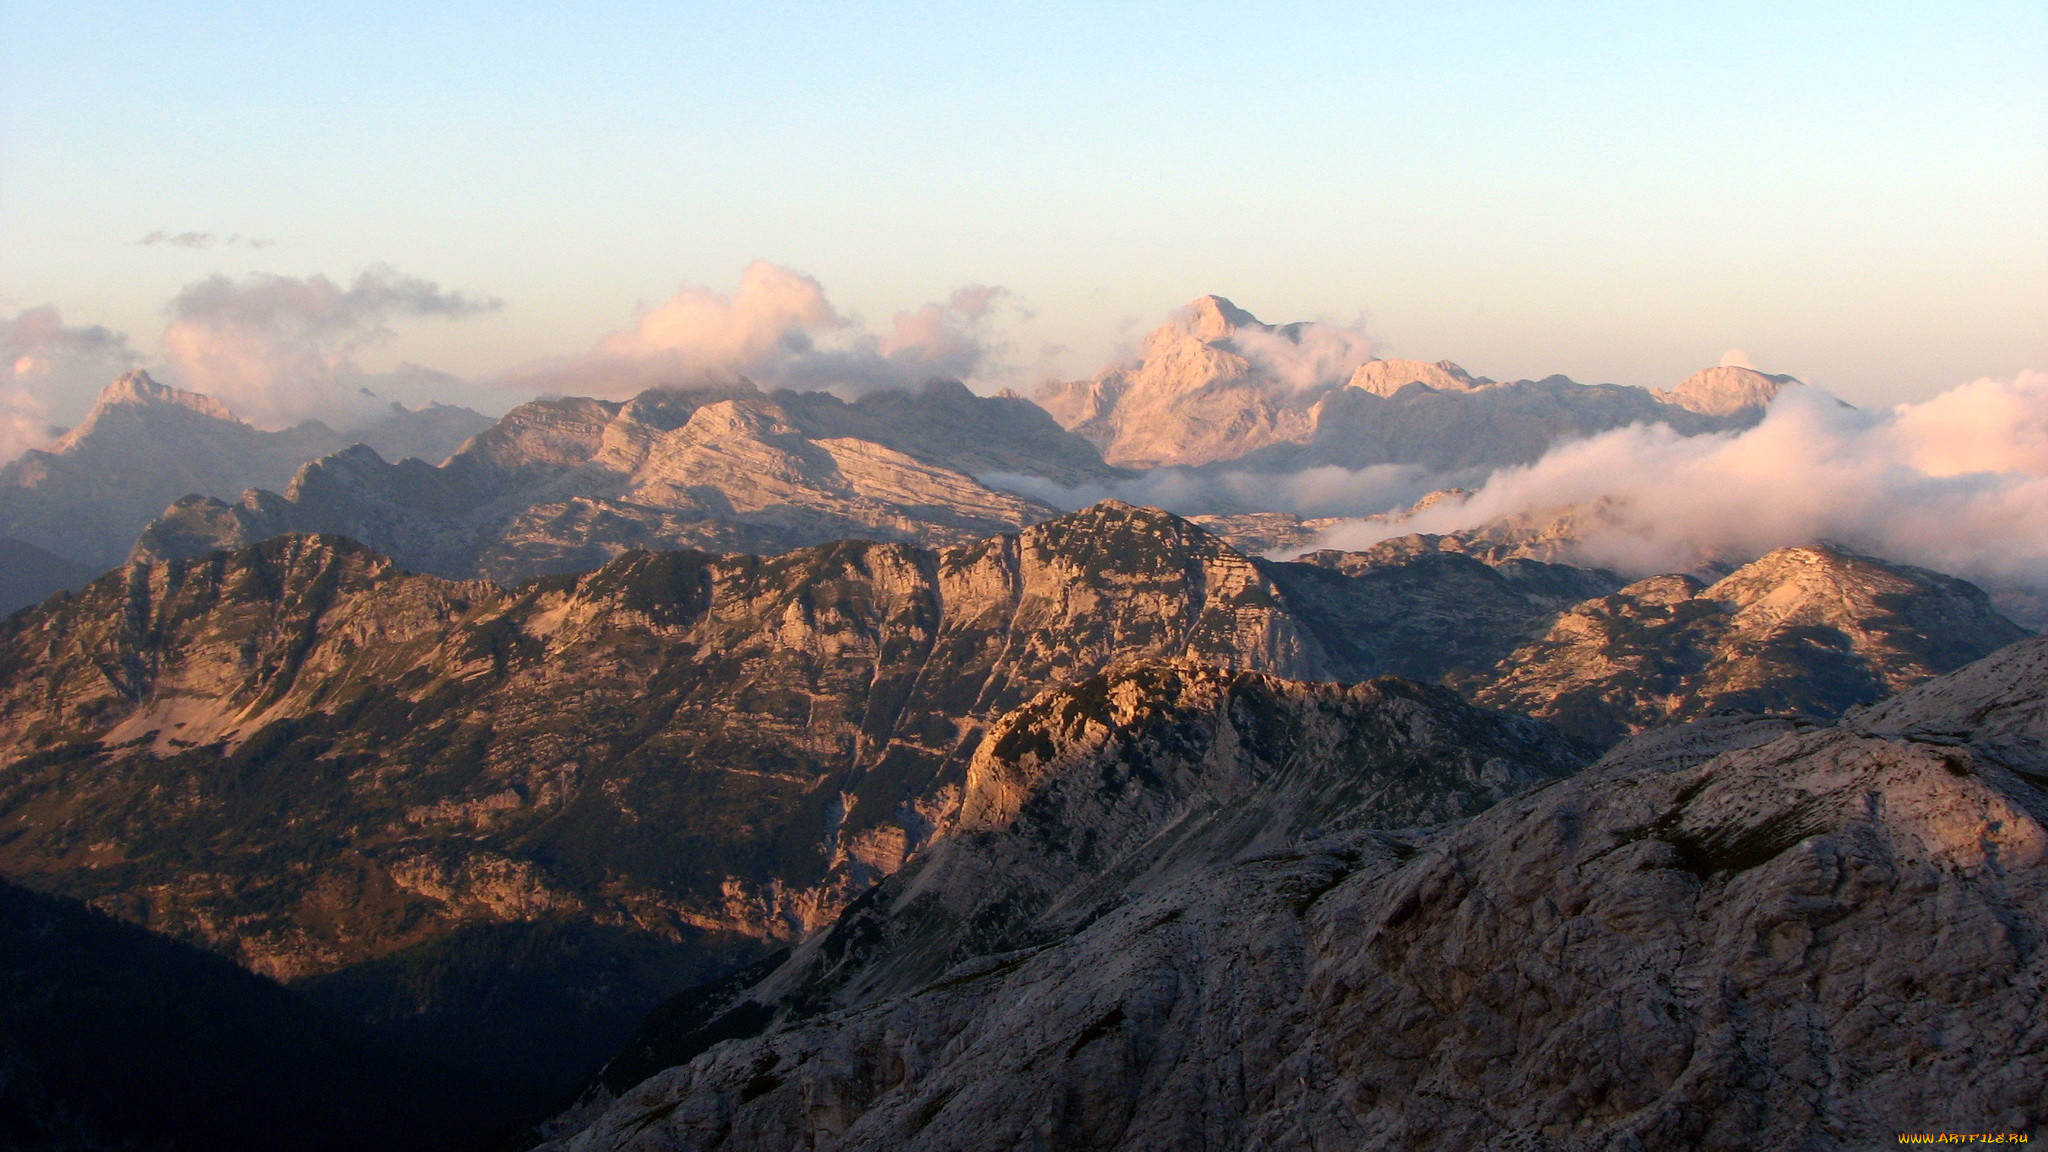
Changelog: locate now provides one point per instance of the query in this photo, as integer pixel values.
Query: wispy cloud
(201, 240)
(1317, 492)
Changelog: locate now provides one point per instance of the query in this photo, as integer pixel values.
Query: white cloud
(24, 423)
(1311, 492)
(1958, 483)
(201, 240)
(1305, 355)
(49, 373)
(278, 349)
(778, 330)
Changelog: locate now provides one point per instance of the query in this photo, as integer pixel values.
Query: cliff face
(145, 445)
(1209, 389)
(1724, 933)
(566, 485)
(617, 746)
(314, 762)
(1814, 630)
(508, 821)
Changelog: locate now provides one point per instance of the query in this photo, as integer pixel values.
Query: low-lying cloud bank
(1312, 492)
(778, 330)
(1958, 483)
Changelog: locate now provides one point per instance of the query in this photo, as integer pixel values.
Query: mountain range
(506, 822)
(1204, 393)
(88, 494)
(738, 768)
(1187, 912)
(565, 485)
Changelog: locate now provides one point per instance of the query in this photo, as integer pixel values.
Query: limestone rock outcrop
(361, 779)
(1209, 389)
(566, 485)
(1745, 931)
(1814, 630)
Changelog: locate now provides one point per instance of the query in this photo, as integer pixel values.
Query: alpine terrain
(144, 444)
(743, 768)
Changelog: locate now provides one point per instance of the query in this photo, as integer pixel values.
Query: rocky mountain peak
(1605, 962)
(137, 389)
(1215, 384)
(1726, 391)
(1388, 377)
(1819, 584)
(1813, 630)
(1212, 318)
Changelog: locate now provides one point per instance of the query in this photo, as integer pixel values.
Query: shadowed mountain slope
(111, 1037)
(30, 575)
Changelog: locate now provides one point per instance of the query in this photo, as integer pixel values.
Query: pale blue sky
(1619, 191)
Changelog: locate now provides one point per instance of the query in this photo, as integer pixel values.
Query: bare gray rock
(567, 485)
(1201, 395)
(1819, 940)
(1811, 630)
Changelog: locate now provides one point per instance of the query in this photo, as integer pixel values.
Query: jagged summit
(137, 389)
(564, 485)
(1813, 629)
(1210, 318)
(1740, 932)
(1216, 385)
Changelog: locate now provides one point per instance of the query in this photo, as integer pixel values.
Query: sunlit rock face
(145, 444)
(1216, 385)
(1738, 930)
(384, 783)
(566, 485)
(1814, 630)
(1728, 390)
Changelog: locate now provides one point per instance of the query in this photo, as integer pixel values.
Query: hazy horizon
(1613, 194)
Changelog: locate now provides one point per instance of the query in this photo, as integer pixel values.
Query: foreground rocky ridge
(1125, 783)
(372, 782)
(1737, 931)
(144, 445)
(566, 485)
(509, 820)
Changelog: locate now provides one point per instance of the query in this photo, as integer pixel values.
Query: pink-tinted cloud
(1958, 483)
(279, 349)
(778, 330)
(49, 373)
